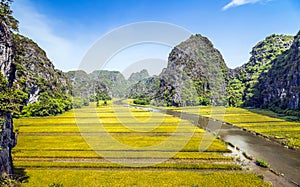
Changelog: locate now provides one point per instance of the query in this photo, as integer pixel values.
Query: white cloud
(235, 3)
(62, 52)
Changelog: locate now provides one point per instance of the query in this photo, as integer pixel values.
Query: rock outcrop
(279, 87)
(8, 140)
(7, 68)
(138, 76)
(195, 75)
(145, 88)
(110, 83)
(35, 73)
(242, 81)
(7, 136)
(114, 81)
(26, 74)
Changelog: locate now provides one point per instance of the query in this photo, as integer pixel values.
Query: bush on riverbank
(262, 163)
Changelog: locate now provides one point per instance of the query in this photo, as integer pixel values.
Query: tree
(93, 98)
(10, 100)
(6, 15)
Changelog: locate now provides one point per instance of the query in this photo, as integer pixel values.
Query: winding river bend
(281, 159)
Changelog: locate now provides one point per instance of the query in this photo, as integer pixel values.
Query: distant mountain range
(270, 79)
(196, 74)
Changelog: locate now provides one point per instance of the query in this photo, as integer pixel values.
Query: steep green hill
(114, 82)
(241, 81)
(195, 75)
(279, 88)
(137, 76)
(46, 88)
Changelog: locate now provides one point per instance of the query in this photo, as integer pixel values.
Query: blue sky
(66, 29)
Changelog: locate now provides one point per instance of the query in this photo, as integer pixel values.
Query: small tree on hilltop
(6, 15)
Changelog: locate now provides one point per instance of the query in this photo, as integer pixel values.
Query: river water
(281, 159)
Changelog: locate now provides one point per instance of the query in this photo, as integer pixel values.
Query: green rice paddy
(64, 150)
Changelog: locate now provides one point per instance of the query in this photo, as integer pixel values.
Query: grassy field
(107, 145)
(141, 178)
(264, 122)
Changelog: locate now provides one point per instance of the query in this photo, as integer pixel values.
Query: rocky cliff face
(145, 88)
(195, 75)
(7, 136)
(242, 81)
(111, 83)
(279, 87)
(8, 140)
(138, 76)
(81, 83)
(114, 81)
(35, 73)
(7, 67)
(26, 73)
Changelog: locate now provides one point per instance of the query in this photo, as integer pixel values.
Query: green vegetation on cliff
(195, 75)
(10, 100)
(6, 15)
(46, 87)
(242, 81)
(279, 88)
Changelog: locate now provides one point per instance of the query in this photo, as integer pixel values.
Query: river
(281, 159)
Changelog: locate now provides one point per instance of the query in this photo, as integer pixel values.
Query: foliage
(48, 105)
(279, 87)
(7, 182)
(234, 92)
(6, 15)
(247, 156)
(195, 75)
(78, 102)
(141, 101)
(14, 181)
(102, 96)
(56, 185)
(93, 98)
(98, 85)
(10, 100)
(242, 81)
(138, 76)
(262, 163)
(45, 87)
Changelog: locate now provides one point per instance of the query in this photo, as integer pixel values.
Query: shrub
(262, 163)
(249, 157)
(7, 182)
(141, 101)
(56, 185)
(48, 105)
(79, 102)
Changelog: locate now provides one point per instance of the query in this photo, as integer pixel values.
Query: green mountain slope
(195, 75)
(279, 88)
(35, 75)
(242, 80)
